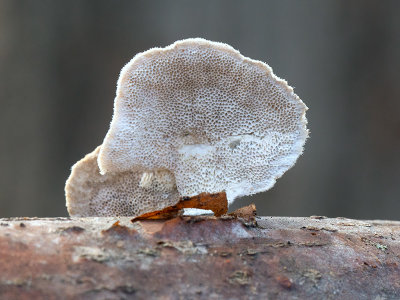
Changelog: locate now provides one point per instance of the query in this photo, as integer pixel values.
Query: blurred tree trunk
(199, 257)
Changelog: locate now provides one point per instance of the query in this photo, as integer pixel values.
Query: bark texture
(199, 258)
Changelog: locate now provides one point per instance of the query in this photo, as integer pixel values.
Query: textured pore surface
(217, 120)
(122, 194)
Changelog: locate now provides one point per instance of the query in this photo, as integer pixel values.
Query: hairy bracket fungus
(201, 116)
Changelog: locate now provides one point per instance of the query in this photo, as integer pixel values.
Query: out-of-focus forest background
(60, 61)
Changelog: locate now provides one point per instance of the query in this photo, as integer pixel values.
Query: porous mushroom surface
(215, 119)
(88, 193)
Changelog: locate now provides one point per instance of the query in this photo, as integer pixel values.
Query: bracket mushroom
(89, 193)
(205, 116)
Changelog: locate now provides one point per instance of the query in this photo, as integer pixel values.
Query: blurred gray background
(60, 61)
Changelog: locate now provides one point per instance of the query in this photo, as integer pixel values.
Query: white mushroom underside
(215, 119)
(234, 173)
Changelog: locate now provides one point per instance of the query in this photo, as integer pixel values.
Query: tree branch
(199, 257)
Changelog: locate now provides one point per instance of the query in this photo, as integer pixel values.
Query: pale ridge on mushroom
(216, 120)
(89, 193)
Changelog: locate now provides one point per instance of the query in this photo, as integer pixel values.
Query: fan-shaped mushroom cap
(127, 193)
(217, 120)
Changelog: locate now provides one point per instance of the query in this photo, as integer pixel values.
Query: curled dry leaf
(215, 202)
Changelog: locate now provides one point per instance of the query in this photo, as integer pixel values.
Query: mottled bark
(199, 257)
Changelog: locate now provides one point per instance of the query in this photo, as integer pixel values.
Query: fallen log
(199, 258)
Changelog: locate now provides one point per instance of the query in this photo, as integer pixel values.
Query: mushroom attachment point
(204, 118)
